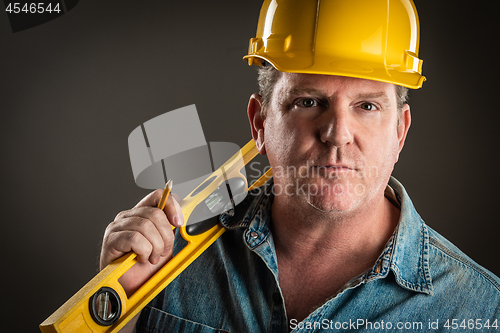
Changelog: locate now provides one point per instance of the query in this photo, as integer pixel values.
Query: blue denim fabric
(420, 283)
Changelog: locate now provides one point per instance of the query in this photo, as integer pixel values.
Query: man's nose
(336, 126)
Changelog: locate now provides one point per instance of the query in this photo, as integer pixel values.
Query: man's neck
(319, 253)
(302, 231)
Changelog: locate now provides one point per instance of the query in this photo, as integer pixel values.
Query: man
(332, 242)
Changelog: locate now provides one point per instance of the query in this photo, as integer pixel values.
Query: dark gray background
(74, 88)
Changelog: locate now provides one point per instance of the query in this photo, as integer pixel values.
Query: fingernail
(178, 221)
(165, 251)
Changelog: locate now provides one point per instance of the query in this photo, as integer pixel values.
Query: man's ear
(257, 122)
(404, 126)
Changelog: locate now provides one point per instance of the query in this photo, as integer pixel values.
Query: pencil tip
(170, 183)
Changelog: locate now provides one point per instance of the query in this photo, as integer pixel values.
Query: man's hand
(146, 230)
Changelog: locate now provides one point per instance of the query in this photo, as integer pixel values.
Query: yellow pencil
(166, 193)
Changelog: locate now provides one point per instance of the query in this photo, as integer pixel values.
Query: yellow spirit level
(103, 306)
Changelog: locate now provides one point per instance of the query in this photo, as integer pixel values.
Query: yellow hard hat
(369, 39)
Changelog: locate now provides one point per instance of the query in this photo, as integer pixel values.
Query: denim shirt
(420, 282)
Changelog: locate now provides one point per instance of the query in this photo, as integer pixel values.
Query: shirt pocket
(156, 321)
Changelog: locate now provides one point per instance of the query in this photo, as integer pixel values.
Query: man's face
(332, 140)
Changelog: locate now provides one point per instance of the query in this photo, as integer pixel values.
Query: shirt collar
(406, 253)
(410, 253)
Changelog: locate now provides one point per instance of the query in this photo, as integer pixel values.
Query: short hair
(268, 76)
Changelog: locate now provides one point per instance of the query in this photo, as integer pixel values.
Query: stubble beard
(329, 192)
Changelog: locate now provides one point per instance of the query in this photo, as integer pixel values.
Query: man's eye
(308, 103)
(368, 106)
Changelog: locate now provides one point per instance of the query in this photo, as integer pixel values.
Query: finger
(172, 208)
(130, 233)
(118, 243)
(150, 200)
(156, 216)
(173, 212)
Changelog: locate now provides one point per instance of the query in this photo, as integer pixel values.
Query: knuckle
(148, 248)
(157, 240)
(144, 225)
(157, 193)
(110, 237)
(169, 242)
(157, 214)
(105, 239)
(169, 237)
(134, 236)
(139, 244)
(111, 226)
(120, 215)
(156, 250)
(110, 229)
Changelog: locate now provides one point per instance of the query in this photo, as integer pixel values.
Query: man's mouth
(332, 170)
(336, 167)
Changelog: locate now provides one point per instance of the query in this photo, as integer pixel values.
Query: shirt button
(253, 234)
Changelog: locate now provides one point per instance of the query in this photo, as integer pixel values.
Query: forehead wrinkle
(301, 91)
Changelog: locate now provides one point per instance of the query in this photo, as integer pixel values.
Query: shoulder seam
(464, 261)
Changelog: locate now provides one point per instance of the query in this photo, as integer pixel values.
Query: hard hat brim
(340, 67)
